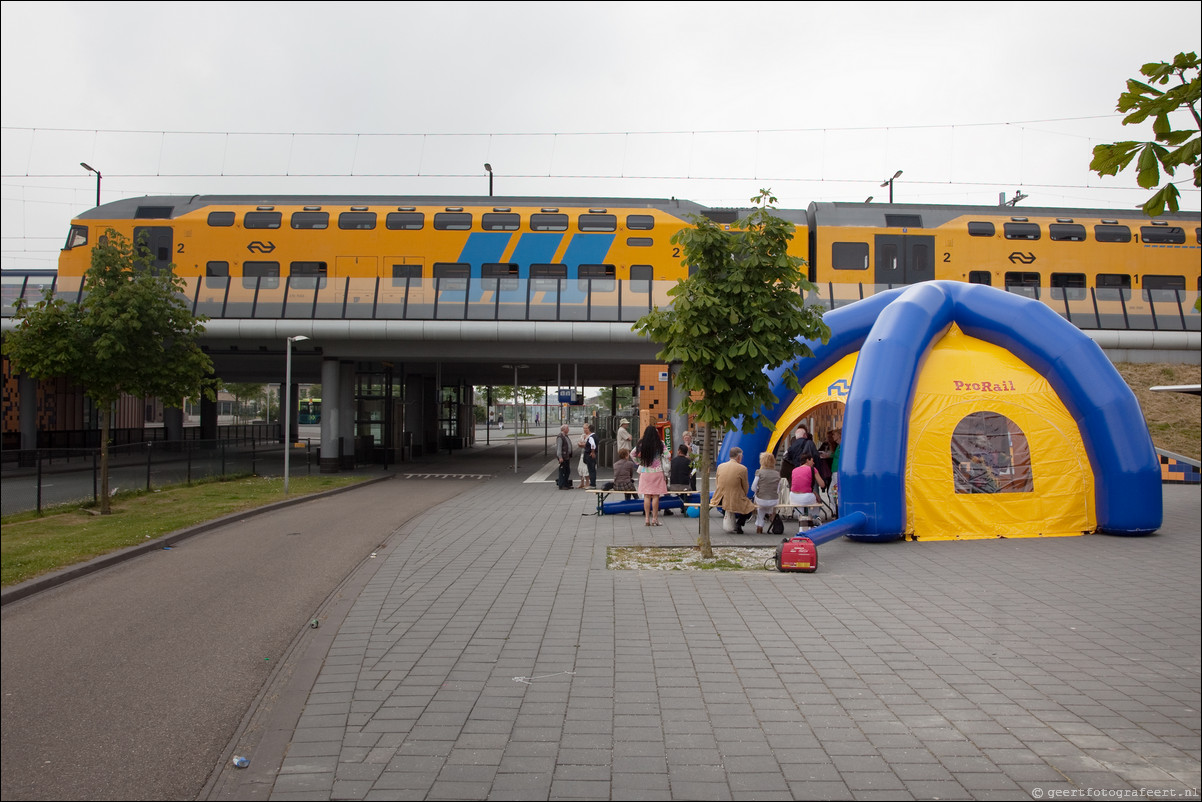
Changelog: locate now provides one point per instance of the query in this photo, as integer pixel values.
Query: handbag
(778, 525)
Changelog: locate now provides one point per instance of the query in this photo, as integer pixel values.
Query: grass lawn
(31, 545)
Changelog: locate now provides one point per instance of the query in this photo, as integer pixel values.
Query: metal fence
(562, 299)
(38, 478)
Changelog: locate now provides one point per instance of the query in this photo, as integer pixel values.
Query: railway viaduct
(402, 364)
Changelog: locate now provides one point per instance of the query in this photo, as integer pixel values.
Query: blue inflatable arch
(894, 330)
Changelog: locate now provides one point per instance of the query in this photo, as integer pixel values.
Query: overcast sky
(704, 101)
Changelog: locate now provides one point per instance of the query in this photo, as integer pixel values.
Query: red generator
(797, 554)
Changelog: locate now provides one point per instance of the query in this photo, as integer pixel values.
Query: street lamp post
(488, 167)
(889, 183)
(287, 412)
(91, 169)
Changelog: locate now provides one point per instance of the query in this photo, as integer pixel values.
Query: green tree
(741, 312)
(130, 333)
(242, 392)
(1171, 147)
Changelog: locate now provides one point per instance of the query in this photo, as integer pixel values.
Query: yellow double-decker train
(255, 241)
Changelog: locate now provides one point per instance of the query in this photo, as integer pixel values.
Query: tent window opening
(990, 454)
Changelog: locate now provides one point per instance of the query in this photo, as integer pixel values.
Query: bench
(811, 514)
(601, 494)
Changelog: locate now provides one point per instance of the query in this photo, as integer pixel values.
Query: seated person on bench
(804, 481)
(624, 471)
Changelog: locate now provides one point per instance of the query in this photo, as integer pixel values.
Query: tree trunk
(703, 520)
(105, 424)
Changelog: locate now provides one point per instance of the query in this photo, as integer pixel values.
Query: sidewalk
(488, 653)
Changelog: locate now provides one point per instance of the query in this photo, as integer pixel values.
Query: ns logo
(840, 388)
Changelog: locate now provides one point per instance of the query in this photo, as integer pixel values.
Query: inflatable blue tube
(872, 471)
(668, 502)
(846, 525)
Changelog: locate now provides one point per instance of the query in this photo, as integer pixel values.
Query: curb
(64, 575)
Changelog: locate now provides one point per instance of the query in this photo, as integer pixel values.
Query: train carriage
(1031, 251)
(450, 257)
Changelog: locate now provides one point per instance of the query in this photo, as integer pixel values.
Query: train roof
(169, 206)
(889, 215)
(930, 215)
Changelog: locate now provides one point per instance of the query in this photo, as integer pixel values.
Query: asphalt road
(131, 682)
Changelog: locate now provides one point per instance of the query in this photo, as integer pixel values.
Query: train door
(904, 259)
(155, 243)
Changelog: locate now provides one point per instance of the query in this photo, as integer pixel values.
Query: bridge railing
(559, 299)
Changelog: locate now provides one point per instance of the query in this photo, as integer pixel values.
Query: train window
(903, 221)
(260, 274)
(640, 242)
(262, 220)
(1070, 286)
(1163, 282)
(640, 222)
(153, 212)
(548, 222)
(77, 236)
(310, 220)
(597, 222)
(221, 219)
(307, 274)
(1023, 283)
(1163, 235)
(357, 221)
(849, 255)
(979, 229)
(598, 278)
(405, 221)
(499, 270)
(1111, 233)
(980, 276)
(453, 221)
(217, 274)
(307, 268)
(1021, 230)
(1069, 279)
(546, 277)
(641, 273)
(1066, 232)
(495, 221)
(451, 275)
(1109, 282)
(403, 273)
(1112, 286)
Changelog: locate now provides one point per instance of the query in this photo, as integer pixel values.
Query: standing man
(563, 452)
(625, 438)
(801, 447)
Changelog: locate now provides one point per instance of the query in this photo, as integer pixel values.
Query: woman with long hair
(653, 482)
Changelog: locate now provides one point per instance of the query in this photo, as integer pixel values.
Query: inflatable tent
(969, 412)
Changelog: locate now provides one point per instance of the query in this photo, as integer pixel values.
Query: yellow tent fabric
(831, 384)
(991, 449)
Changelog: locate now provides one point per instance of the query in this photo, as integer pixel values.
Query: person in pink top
(805, 478)
(653, 471)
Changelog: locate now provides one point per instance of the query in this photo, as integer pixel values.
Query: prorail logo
(1005, 386)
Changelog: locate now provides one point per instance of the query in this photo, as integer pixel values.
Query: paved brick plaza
(488, 653)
